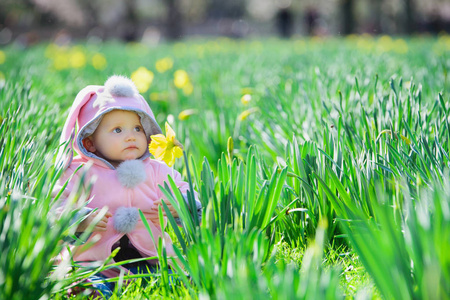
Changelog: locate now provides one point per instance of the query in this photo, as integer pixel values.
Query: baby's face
(119, 137)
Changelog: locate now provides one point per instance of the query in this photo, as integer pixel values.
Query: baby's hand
(100, 226)
(169, 205)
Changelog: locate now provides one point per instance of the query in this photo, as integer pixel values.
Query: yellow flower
(185, 114)
(385, 44)
(244, 115)
(99, 61)
(2, 57)
(247, 90)
(142, 78)
(246, 99)
(404, 138)
(159, 96)
(77, 59)
(164, 64)
(181, 78)
(61, 61)
(166, 148)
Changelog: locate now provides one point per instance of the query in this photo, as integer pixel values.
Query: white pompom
(120, 86)
(131, 173)
(125, 219)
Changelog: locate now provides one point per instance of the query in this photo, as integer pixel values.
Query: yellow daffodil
(142, 78)
(404, 138)
(159, 96)
(244, 115)
(166, 148)
(245, 99)
(180, 78)
(164, 64)
(385, 43)
(185, 114)
(247, 90)
(65, 57)
(61, 61)
(77, 58)
(2, 57)
(99, 61)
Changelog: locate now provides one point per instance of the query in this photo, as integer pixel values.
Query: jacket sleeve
(64, 187)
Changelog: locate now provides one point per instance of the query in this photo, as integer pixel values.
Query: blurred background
(27, 22)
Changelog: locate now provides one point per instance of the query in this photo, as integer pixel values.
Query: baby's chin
(132, 156)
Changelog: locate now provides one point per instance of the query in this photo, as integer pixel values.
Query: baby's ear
(89, 144)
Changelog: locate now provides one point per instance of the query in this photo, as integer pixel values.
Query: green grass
(332, 181)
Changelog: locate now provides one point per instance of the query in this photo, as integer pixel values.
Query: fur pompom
(125, 219)
(120, 86)
(131, 172)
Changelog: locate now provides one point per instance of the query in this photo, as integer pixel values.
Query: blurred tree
(348, 20)
(410, 20)
(131, 25)
(10, 10)
(311, 17)
(127, 19)
(91, 11)
(174, 20)
(377, 13)
(226, 9)
(285, 22)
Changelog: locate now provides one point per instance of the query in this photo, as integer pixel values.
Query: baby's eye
(138, 128)
(117, 130)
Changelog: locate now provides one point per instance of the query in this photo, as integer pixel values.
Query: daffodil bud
(185, 114)
(230, 148)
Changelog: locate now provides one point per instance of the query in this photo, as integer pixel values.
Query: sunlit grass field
(322, 165)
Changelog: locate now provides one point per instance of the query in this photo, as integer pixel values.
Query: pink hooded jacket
(132, 186)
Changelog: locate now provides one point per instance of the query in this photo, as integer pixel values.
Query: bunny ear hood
(92, 103)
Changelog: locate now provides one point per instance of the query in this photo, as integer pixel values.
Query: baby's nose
(131, 136)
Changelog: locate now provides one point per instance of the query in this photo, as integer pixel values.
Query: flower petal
(177, 151)
(158, 146)
(170, 134)
(159, 138)
(169, 158)
(158, 152)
